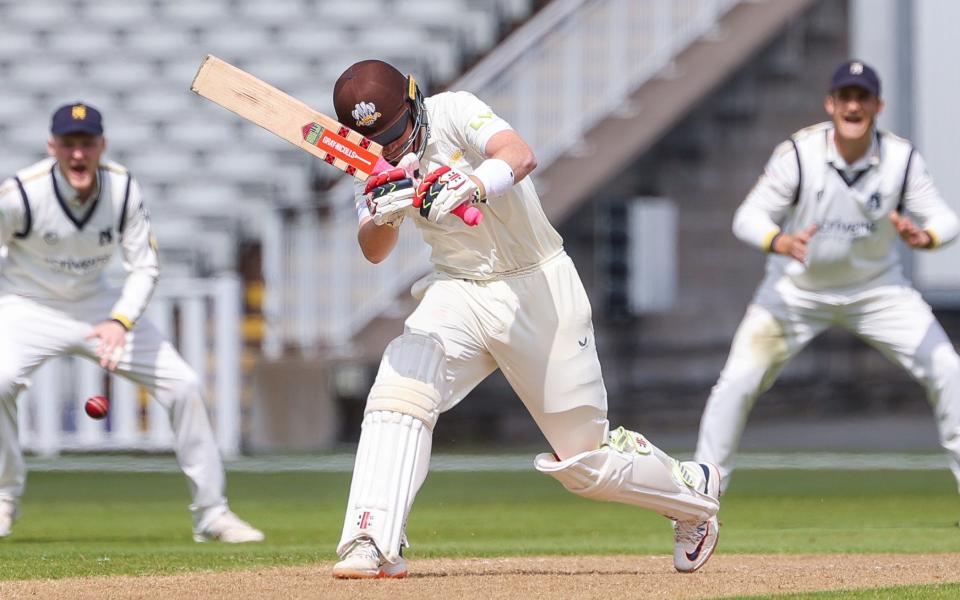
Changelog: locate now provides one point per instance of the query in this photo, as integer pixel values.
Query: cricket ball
(96, 407)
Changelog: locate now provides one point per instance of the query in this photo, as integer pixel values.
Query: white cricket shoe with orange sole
(364, 561)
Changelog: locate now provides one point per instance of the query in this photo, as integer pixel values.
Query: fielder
(62, 219)
(829, 208)
(503, 295)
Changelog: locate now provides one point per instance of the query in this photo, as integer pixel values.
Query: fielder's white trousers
(31, 333)
(783, 319)
(537, 328)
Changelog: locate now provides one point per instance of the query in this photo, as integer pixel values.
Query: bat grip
(470, 215)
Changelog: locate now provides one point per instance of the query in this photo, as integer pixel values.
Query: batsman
(502, 294)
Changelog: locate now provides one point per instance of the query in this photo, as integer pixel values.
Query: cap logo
(365, 114)
(856, 68)
(78, 112)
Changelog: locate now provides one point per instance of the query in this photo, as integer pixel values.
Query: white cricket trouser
(537, 328)
(31, 332)
(783, 319)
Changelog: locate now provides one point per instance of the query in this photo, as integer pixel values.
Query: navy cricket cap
(76, 118)
(856, 73)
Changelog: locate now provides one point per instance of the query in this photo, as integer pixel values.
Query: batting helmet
(378, 101)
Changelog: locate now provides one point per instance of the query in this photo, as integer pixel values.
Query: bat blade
(285, 116)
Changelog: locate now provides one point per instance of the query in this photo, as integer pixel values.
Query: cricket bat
(289, 118)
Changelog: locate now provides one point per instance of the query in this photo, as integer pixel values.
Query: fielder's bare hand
(795, 246)
(910, 232)
(113, 337)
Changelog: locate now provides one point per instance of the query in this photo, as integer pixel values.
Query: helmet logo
(365, 114)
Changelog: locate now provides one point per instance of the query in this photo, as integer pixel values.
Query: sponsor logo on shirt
(75, 266)
(838, 228)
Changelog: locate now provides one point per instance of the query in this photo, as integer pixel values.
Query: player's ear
(51, 146)
(830, 104)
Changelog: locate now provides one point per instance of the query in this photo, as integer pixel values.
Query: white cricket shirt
(515, 233)
(806, 181)
(57, 249)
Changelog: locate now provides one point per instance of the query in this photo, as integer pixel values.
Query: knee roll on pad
(410, 379)
(630, 477)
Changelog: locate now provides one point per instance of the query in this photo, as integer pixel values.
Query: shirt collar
(870, 159)
(68, 192)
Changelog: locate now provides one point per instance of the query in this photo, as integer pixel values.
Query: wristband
(126, 323)
(496, 177)
(773, 241)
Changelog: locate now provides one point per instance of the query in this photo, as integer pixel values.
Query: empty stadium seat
(314, 39)
(190, 11)
(239, 41)
(159, 41)
(274, 12)
(82, 41)
(118, 13)
(40, 14)
(42, 73)
(160, 163)
(16, 43)
(201, 131)
(120, 73)
(161, 100)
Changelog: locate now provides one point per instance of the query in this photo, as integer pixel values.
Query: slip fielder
(502, 295)
(830, 208)
(62, 219)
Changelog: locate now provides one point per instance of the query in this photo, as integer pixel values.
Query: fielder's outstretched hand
(910, 232)
(113, 337)
(443, 190)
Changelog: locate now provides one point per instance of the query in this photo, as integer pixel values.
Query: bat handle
(470, 215)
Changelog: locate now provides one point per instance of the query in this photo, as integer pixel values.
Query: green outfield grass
(75, 524)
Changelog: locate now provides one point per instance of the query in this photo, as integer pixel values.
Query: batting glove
(389, 193)
(443, 190)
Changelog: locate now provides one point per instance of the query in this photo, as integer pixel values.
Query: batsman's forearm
(376, 242)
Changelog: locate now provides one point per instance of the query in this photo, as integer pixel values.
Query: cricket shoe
(364, 561)
(696, 540)
(8, 514)
(229, 528)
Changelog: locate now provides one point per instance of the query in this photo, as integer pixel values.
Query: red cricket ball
(97, 407)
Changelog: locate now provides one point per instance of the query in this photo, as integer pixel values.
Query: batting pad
(629, 477)
(392, 462)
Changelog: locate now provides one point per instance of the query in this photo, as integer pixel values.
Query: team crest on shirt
(873, 203)
(106, 236)
(365, 114)
(51, 238)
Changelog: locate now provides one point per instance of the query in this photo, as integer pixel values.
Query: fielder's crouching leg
(630, 470)
(393, 455)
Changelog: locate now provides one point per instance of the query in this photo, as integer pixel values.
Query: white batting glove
(390, 193)
(442, 190)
